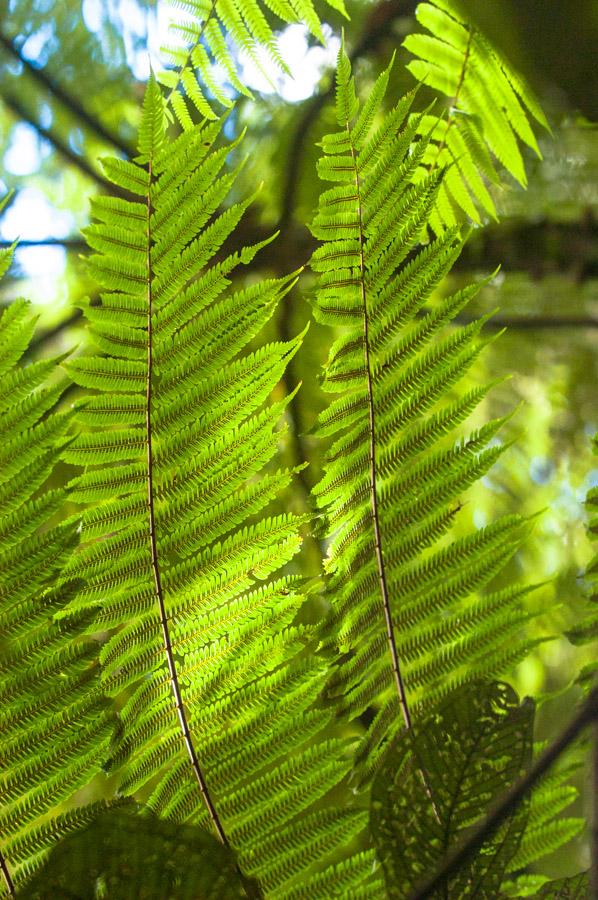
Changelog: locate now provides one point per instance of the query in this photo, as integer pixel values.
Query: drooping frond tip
(201, 47)
(488, 114)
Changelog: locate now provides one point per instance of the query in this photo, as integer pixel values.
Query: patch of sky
(46, 116)
(41, 264)
(591, 479)
(480, 519)
(306, 63)
(135, 34)
(93, 15)
(31, 217)
(75, 141)
(33, 48)
(25, 151)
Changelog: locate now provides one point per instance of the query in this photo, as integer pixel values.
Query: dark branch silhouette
(76, 109)
(63, 148)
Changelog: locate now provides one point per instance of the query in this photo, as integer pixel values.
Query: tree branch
(76, 109)
(587, 714)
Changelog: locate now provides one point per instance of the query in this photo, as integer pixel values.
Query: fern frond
(490, 108)
(55, 725)
(409, 616)
(178, 560)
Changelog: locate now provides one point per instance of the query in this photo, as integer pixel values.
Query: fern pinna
(54, 725)
(207, 41)
(204, 650)
(488, 115)
(407, 614)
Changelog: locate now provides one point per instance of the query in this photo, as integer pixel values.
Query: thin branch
(7, 876)
(454, 102)
(538, 248)
(67, 243)
(76, 109)
(587, 713)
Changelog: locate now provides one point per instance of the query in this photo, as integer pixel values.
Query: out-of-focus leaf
(575, 888)
(127, 856)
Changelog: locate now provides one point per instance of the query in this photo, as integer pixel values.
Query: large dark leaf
(439, 779)
(576, 888)
(124, 856)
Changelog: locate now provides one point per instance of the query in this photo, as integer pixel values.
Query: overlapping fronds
(54, 727)
(427, 794)
(409, 613)
(489, 116)
(178, 559)
(207, 41)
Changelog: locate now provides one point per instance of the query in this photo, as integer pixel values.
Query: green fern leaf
(178, 561)
(200, 43)
(408, 614)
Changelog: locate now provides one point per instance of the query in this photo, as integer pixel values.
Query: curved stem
(251, 888)
(392, 644)
(455, 100)
(174, 680)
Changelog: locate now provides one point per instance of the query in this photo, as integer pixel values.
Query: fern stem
(10, 886)
(392, 645)
(174, 680)
(185, 65)
(455, 100)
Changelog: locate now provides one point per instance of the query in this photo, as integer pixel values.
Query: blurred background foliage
(72, 73)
